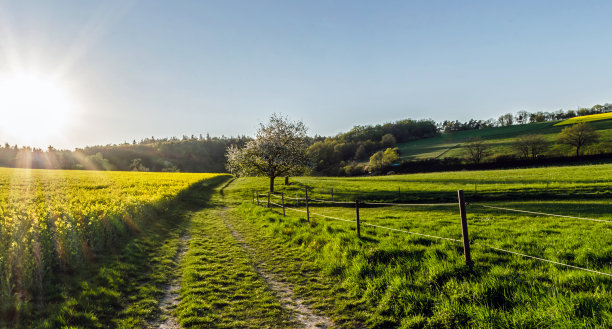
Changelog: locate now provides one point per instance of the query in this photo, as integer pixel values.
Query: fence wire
(332, 202)
(543, 259)
(410, 204)
(543, 214)
(476, 244)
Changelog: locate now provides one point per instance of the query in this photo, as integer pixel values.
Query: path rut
(171, 296)
(302, 313)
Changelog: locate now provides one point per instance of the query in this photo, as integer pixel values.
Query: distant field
(411, 281)
(586, 118)
(501, 138)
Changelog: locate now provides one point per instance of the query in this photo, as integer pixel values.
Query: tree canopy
(578, 136)
(278, 150)
(530, 145)
(477, 149)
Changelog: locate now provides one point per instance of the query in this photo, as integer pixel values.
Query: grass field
(412, 281)
(586, 118)
(501, 139)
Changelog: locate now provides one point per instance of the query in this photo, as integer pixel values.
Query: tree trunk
(577, 151)
(286, 180)
(272, 184)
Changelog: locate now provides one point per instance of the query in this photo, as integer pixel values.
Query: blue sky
(168, 68)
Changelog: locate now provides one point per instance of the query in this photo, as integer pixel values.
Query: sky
(135, 69)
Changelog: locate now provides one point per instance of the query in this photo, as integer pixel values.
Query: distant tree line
(188, 154)
(521, 117)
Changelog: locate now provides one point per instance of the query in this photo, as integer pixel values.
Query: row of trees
(172, 154)
(402, 130)
(521, 117)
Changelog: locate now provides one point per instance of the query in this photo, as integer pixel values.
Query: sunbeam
(33, 108)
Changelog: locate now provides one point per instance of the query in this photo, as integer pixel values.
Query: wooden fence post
(307, 209)
(268, 199)
(399, 193)
(357, 216)
(283, 202)
(464, 229)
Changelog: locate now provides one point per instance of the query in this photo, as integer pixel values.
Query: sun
(33, 108)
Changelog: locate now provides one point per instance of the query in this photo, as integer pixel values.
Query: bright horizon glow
(33, 108)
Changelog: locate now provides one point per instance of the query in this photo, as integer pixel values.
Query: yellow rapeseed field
(58, 220)
(586, 118)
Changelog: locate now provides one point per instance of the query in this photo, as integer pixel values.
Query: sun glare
(33, 108)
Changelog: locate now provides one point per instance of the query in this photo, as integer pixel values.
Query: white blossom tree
(278, 150)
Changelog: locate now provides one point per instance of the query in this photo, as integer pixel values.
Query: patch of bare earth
(171, 296)
(283, 290)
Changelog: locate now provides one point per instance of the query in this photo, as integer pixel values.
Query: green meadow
(397, 279)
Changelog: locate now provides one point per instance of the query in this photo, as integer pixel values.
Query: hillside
(451, 144)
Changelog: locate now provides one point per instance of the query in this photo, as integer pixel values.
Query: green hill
(501, 138)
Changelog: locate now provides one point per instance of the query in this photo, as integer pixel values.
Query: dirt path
(302, 313)
(171, 296)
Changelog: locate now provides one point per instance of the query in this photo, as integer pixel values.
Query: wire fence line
(446, 204)
(544, 260)
(304, 211)
(471, 243)
(542, 213)
(364, 203)
(378, 226)
(454, 204)
(276, 204)
(415, 233)
(332, 202)
(336, 218)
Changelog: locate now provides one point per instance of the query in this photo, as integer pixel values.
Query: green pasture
(406, 280)
(501, 139)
